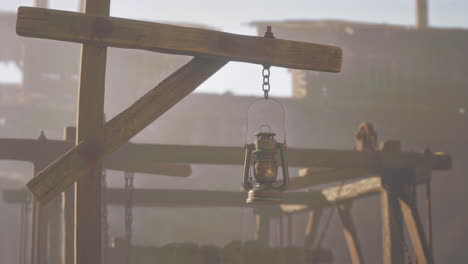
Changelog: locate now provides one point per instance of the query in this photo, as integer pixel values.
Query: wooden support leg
(290, 230)
(311, 229)
(407, 202)
(54, 230)
(39, 227)
(350, 233)
(262, 227)
(392, 228)
(68, 212)
(90, 126)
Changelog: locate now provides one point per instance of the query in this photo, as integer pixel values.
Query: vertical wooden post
(392, 228)
(280, 231)
(290, 230)
(312, 227)
(68, 210)
(407, 202)
(90, 123)
(392, 222)
(39, 220)
(350, 233)
(262, 226)
(54, 228)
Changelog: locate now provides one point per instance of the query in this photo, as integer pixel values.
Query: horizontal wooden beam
(296, 157)
(132, 157)
(80, 160)
(205, 198)
(181, 198)
(133, 34)
(341, 193)
(318, 176)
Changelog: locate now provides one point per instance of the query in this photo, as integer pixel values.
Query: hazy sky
(233, 16)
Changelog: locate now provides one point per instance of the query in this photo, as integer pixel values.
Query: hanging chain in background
(129, 176)
(104, 211)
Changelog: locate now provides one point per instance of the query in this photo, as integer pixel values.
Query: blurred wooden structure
(406, 214)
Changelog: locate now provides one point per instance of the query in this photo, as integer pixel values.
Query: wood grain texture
(316, 176)
(212, 155)
(338, 194)
(133, 34)
(131, 157)
(90, 121)
(71, 166)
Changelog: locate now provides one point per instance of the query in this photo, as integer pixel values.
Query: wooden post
(68, 209)
(290, 230)
(312, 227)
(90, 125)
(392, 228)
(350, 233)
(54, 231)
(407, 202)
(39, 220)
(262, 226)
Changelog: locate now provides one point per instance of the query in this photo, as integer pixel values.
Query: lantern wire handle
(283, 115)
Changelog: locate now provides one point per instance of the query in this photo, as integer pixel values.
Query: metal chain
(104, 211)
(266, 81)
(129, 176)
(266, 68)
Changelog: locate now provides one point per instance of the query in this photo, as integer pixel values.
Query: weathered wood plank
(133, 34)
(312, 228)
(407, 202)
(338, 194)
(131, 157)
(316, 176)
(90, 122)
(350, 233)
(70, 167)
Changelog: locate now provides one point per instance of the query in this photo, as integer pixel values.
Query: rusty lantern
(262, 158)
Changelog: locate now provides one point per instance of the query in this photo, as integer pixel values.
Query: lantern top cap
(265, 135)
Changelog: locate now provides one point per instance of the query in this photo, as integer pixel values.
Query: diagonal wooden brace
(79, 161)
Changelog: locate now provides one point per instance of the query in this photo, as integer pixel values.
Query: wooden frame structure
(212, 50)
(43, 151)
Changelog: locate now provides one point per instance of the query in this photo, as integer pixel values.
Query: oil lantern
(263, 156)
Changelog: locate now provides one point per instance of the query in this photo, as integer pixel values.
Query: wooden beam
(350, 233)
(339, 194)
(316, 176)
(407, 202)
(132, 157)
(68, 210)
(71, 166)
(76, 163)
(312, 228)
(133, 34)
(392, 222)
(89, 127)
(262, 227)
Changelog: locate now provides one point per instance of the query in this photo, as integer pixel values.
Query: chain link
(129, 176)
(266, 81)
